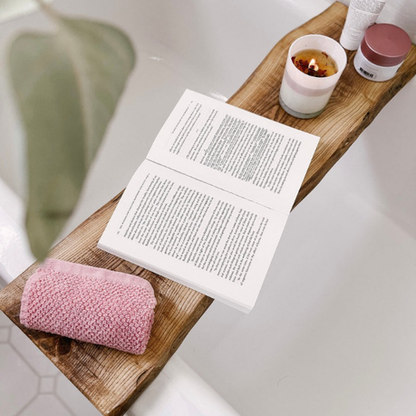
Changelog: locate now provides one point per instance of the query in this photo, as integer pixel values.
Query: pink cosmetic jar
(382, 51)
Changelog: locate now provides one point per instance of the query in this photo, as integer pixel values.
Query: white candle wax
(303, 95)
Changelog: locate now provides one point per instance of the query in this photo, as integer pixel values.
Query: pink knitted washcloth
(89, 304)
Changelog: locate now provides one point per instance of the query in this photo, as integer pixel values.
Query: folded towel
(89, 304)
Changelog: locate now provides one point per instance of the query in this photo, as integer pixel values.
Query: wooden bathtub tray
(113, 380)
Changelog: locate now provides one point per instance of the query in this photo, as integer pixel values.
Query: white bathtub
(333, 329)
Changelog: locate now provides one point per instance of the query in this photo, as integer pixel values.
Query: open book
(209, 204)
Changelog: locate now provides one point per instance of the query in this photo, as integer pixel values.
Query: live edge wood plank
(112, 380)
(352, 107)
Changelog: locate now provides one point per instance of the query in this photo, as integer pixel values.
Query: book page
(194, 233)
(241, 152)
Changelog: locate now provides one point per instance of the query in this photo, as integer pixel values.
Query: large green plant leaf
(67, 86)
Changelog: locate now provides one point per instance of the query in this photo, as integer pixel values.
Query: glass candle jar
(305, 92)
(382, 52)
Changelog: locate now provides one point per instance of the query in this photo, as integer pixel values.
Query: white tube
(361, 15)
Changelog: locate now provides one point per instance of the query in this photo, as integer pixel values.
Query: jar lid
(385, 44)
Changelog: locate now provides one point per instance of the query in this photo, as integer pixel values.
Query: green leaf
(67, 86)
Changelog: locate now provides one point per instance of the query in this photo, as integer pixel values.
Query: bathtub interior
(332, 331)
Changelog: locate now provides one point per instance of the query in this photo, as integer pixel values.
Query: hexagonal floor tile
(4, 320)
(46, 405)
(19, 384)
(72, 397)
(25, 347)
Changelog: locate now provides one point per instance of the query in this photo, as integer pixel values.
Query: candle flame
(313, 65)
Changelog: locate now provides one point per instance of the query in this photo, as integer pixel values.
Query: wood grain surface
(112, 380)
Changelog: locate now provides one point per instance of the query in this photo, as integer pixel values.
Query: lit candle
(315, 63)
(313, 67)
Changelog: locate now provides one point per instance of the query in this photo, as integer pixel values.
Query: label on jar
(367, 74)
(371, 71)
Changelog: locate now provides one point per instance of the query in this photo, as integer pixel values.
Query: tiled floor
(41, 387)
(30, 385)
